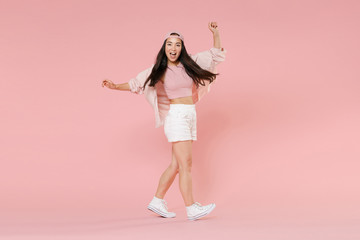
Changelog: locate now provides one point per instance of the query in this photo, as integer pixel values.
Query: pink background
(278, 135)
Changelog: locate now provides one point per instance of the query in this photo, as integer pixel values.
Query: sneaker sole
(202, 214)
(160, 213)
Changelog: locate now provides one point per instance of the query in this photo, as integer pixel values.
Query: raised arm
(210, 58)
(216, 35)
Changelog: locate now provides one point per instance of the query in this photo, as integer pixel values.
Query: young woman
(172, 86)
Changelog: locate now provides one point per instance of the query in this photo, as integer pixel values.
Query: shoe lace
(164, 204)
(198, 204)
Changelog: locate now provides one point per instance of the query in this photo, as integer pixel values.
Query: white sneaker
(197, 211)
(159, 206)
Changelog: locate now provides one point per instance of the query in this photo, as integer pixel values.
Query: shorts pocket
(184, 115)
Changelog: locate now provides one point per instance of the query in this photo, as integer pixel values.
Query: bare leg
(183, 155)
(167, 178)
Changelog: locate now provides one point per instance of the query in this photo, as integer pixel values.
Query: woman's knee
(185, 164)
(174, 167)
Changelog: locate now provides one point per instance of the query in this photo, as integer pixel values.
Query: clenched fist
(109, 84)
(213, 27)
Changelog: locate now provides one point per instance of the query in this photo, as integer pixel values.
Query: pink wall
(280, 127)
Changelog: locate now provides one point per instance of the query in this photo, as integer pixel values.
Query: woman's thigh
(174, 164)
(182, 150)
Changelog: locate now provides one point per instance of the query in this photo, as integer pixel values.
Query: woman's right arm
(135, 85)
(120, 86)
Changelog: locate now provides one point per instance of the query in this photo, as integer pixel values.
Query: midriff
(182, 100)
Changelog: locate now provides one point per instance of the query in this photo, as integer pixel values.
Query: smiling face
(173, 50)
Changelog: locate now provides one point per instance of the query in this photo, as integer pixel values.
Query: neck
(173, 63)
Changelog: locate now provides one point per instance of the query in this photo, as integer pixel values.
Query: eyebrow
(169, 41)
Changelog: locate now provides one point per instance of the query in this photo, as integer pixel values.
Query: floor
(250, 223)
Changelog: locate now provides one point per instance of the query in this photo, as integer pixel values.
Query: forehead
(173, 40)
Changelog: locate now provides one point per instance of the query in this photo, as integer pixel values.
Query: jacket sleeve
(210, 58)
(136, 84)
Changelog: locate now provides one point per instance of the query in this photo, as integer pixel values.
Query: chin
(173, 61)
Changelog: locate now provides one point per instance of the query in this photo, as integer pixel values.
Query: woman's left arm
(216, 35)
(210, 58)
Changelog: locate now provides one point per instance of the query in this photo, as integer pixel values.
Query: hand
(213, 27)
(108, 84)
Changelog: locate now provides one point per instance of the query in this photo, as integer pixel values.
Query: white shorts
(180, 123)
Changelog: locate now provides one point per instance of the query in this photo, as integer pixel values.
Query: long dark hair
(191, 67)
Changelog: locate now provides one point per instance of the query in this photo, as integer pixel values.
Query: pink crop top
(177, 83)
